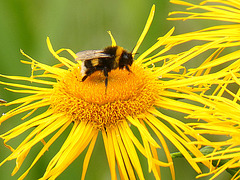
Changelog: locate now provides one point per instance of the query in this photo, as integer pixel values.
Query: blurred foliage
(78, 25)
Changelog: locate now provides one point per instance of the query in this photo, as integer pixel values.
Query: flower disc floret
(127, 93)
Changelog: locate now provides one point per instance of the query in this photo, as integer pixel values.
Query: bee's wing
(91, 54)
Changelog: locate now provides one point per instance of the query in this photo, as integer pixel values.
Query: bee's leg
(84, 77)
(105, 72)
(127, 68)
(88, 73)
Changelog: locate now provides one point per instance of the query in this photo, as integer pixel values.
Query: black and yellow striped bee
(112, 57)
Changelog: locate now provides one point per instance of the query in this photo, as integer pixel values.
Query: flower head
(127, 94)
(132, 99)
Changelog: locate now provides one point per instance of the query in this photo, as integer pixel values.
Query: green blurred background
(78, 25)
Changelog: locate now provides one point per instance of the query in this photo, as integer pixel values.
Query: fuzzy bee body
(110, 58)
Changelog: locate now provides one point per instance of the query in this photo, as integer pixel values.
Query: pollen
(127, 93)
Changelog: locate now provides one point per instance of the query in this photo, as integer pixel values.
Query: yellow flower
(221, 113)
(132, 100)
(222, 116)
(224, 11)
(222, 106)
(227, 12)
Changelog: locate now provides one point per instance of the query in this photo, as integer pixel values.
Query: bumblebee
(112, 57)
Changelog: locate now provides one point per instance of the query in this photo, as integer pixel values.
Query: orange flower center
(127, 93)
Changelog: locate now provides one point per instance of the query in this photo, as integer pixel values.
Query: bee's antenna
(132, 50)
(133, 54)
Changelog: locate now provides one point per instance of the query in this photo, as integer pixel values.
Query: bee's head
(127, 58)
